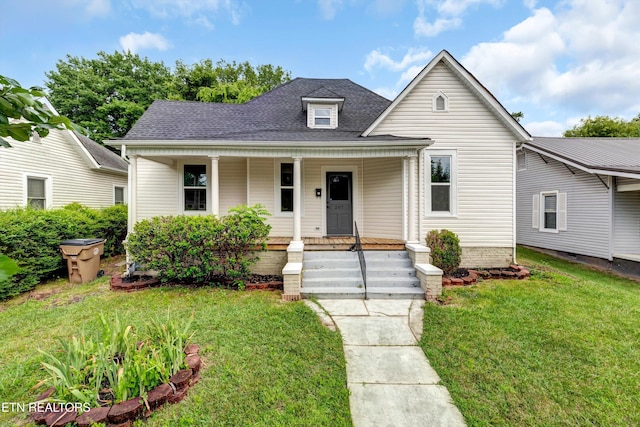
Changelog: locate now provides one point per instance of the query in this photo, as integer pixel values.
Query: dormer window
(440, 102)
(322, 116)
(322, 112)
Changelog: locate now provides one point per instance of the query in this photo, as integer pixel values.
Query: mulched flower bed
(464, 277)
(123, 414)
(254, 282)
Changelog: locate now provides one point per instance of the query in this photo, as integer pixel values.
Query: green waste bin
(83, 258)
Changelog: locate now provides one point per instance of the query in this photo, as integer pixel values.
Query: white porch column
(411, 202)
(132, 194)
(215, 186)
(297, 197)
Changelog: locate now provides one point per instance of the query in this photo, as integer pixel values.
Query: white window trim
(561, 211)
(48, 188)
(524, 155)
(333, 116)
(453, 202)
(124, 193)
(181, 166)
(277, 187)
(434, 102)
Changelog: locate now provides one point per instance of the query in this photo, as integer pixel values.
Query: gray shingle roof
(274, 116)
(621, 155)
(102, 155)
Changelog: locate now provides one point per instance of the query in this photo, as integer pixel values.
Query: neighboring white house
(59, 169)
(581, 196)
(325, 154)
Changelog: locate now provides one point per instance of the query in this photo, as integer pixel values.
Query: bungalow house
(331, 160)
(581, 197)
(61, 168)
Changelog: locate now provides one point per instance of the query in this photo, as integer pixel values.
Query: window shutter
(562, 211)
(535, 212)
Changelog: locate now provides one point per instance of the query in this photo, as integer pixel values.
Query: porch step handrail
(363, 264)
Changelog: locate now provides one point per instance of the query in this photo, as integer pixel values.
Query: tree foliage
(108, 94)
(232, 82)
(22, 112)
(604, 126)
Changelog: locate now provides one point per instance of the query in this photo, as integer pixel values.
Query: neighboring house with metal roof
(61, 168)
(581, 196)
(325, 155)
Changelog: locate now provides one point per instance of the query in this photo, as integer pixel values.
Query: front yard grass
(561, 348)
(266, 363)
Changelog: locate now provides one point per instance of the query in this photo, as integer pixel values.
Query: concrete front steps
(337, 275)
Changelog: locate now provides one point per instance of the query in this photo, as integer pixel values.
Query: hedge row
(32, 238)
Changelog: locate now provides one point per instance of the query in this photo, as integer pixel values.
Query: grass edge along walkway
(265, 362)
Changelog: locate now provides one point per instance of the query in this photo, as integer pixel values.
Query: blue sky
(556, 61)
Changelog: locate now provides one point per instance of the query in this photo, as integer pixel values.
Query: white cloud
(90, 7)
(448, 15)
(135, 42)
(329, 8)
(190, 8)
(386, 92)
(98, 7)
(378, 59)
(583, 57)
(545, 128)
(423, 28)
(204, 22)
(458, 7)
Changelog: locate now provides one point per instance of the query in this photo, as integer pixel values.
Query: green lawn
(266, 363)
(561, 348)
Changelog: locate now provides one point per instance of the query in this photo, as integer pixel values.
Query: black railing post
(363, 264)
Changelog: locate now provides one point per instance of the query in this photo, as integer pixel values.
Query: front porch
(344, 243)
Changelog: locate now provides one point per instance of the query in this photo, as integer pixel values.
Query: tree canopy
(22, 112)
(604, 126)
(108, 94)
(232, 82)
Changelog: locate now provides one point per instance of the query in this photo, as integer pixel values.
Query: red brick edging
(513, 272)
(123, 414)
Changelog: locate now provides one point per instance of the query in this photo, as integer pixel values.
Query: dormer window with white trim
(440, 102)
(322, 113)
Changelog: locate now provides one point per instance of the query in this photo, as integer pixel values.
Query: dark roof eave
(588, 168)
(368, 143)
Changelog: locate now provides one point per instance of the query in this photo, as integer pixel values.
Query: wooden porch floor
(337, 243)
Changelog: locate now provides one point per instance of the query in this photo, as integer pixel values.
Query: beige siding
(263, 185)
(382, 198)
(158, 189)
(484, 149)
(233, 182)
(59, 157)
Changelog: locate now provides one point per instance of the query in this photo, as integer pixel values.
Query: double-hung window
(118, 195)
(322, 117)
(441, 188)
(283, 188)
(286, 187)
(37, 192)
(195, 187)
(549, 211)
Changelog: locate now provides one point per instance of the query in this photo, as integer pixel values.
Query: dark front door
(339, 206)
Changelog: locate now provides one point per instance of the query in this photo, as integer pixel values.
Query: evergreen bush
(201, 249)
(445, 250)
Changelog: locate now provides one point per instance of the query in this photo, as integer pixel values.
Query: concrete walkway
(389, 378)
